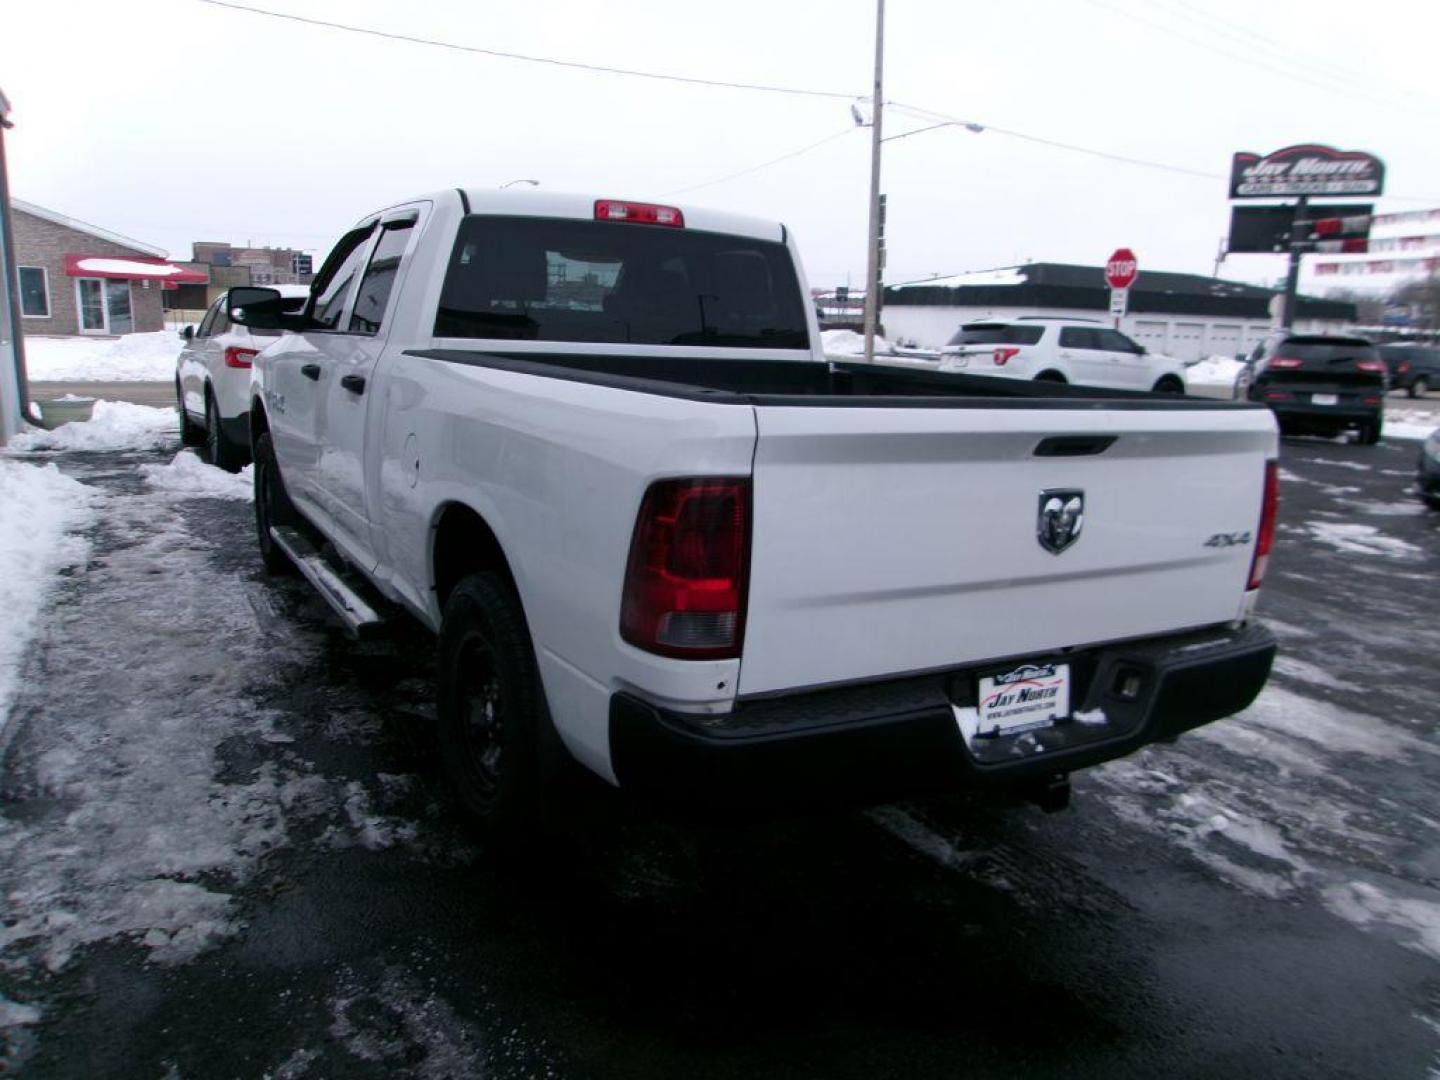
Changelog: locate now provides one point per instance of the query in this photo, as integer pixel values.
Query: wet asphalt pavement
(227, 853)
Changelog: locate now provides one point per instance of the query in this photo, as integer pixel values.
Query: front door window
(104, 306)
(117, 307)
(92, 305)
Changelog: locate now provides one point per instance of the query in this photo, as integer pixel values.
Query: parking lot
(232, 856)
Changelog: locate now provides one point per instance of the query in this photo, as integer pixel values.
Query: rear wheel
(1168, 384)
(1370, 432)
(191, 433)
(1419, 388)
(272, 507)
(1051, 377)
(492, 708)
(223, 453)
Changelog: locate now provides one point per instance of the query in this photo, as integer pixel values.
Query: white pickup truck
(594, 446)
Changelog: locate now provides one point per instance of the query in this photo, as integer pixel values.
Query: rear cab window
(551, 279)
(997, 334)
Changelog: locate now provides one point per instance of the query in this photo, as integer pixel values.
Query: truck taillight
(1286, 362)
(640, 213)
(239, 358)
(1265, 537)
(686, 580)
(1003, 356)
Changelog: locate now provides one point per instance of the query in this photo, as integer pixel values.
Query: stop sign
(1122, 269)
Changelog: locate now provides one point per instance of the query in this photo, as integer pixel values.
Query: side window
(379, 279)
(207, 324)
(1077, 337)
(1115, 341)
(332, 287)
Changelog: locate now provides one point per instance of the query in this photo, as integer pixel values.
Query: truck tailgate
(900, 539)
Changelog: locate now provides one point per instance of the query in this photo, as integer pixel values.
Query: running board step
(357, 616)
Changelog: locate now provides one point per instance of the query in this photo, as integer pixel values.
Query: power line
(1106, 155)
(551, 61)
(941, 119)
(1329, 84)
(763, 165)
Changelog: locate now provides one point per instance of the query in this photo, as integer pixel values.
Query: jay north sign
(1307, 169)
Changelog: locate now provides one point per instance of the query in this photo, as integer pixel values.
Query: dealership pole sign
(1307, 169)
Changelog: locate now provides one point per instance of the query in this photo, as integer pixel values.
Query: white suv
(212, 380)
(1060, 350)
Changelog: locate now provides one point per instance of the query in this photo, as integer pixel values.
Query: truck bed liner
(800, 383)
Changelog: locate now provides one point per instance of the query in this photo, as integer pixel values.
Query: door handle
(311, 371)
(354, 383)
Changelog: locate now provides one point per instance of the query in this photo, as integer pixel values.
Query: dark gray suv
(1413, 368)
(1321, 384)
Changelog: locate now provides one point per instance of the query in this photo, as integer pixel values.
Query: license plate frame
(1023, 697)
(1324, 399)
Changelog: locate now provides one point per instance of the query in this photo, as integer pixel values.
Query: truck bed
(791, 382)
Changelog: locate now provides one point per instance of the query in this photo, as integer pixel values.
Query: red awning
(134, 268)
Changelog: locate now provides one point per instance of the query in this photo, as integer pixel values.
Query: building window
(34, 292)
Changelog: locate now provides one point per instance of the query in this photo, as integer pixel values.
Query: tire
(1419, 388)
(223, 453)
(191, 433)
(1052, 377)
(1168, 384)
(1370, 432)
(272, 507)
(492, 713)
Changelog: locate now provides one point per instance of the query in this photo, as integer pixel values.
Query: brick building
(76, 278)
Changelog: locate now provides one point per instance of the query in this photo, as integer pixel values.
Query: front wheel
(272, 507)
(492, 708)
(1419, 388)
(1168, 384)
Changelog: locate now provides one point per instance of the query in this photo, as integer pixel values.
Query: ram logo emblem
(1062, 514)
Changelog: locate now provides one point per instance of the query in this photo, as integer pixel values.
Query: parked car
(212, 380)
(1060, 350)
(1427, 482)
(1412, 368)
(1320, 384)
(596, 448)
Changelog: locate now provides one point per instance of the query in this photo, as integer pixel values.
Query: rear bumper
(883, 741)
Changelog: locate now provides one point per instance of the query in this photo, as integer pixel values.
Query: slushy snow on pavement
(43, 509)
(130, 358)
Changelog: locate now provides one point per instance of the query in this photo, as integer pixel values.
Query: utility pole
(1292, 276)
(12, 341)
(875, 263)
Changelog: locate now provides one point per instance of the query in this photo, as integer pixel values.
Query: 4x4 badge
(1062, 513)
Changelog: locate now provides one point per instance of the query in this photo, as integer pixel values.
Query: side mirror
(187, 334)
(257, 308)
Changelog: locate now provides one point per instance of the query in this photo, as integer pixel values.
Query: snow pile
(189, 477)
(1214, 373)
(1004, 275)
(1410, 422)
(40, 509)
(115, 425)
(848, 343)
(130, 358)
(1360, 539)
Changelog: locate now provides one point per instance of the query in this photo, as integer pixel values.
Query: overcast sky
(173, 120)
